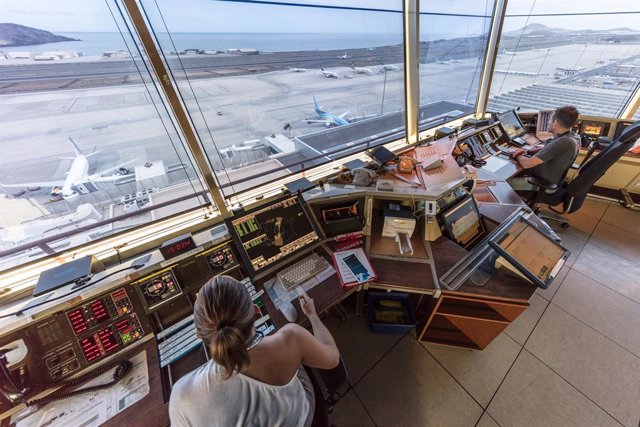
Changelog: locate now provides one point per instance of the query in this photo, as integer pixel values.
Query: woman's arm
(318, 350)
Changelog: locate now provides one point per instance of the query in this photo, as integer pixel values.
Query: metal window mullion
(411, 20)
(491, 53)
(178, 109)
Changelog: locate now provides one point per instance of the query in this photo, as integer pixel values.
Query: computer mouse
(289, 312)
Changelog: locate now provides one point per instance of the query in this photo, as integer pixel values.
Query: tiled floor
(571, 359)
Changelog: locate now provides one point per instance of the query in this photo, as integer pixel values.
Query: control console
(69, 341)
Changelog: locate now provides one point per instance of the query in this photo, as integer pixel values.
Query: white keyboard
(303, 270)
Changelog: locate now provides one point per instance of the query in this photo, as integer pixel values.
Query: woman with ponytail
(251, 380)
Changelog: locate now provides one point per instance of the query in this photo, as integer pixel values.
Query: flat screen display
(462, 222)
(511, 124)
(531, 251)
(272, 232)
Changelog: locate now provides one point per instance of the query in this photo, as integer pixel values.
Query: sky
(221, 16)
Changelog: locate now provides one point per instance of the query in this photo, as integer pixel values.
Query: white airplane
(387, 67)
(297, 70)
(77, 176)
(444, 62)
(365, 71)
(510, 53)
(252, 145)
(85, 214)
(328, 74)
(345, 56)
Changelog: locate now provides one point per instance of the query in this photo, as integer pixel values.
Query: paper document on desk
(281, 296)
(94, 408)
(494, 163)
(346, 272)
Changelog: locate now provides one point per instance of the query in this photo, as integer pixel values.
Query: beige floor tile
(533, 395)
(409, 388)
(581, 226)
(622, 218)
(574, 244)
(594, 208)
(557, 282)
(360, 348)
(479, 372)
(611, 270)
(521, 328)
(599, 368)
(349, 412)
(613, 315)
(617, 240)
(487, 421)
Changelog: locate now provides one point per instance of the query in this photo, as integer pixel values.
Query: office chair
(572, 194)
(333, 383)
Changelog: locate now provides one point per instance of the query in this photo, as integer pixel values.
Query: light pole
(384, 88)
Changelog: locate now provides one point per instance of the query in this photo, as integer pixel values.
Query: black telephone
(13, 393)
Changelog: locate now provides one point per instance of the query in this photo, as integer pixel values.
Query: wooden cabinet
(465, 321)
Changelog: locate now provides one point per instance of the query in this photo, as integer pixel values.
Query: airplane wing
(343, 114)
(314, 121)
(97, 177)
(35, 184)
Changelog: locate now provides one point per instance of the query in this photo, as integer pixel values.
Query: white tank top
(204, 398)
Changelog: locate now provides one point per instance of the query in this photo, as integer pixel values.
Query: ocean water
(97, 43)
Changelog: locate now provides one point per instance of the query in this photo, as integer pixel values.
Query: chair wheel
(564, 225)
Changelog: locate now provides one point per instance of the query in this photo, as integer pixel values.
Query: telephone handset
(10, 390)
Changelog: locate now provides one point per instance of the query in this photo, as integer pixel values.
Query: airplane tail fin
(75, 148)
(315, 103)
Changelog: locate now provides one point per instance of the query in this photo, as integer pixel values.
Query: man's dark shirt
(558, 155)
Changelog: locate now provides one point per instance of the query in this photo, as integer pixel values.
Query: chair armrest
(542, 183)
(575, 166)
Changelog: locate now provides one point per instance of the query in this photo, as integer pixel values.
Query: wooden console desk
(471, 316)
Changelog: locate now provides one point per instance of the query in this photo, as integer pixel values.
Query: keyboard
(506, 150)
(301, 271)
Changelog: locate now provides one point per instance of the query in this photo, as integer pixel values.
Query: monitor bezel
(244, 256)
(524, 129)
(495, 245)
(446, 215)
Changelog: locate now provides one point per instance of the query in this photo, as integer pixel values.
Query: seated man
(551, 161)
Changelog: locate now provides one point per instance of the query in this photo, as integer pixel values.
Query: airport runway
(127, 122)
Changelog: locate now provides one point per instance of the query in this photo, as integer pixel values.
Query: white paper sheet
(93, 409)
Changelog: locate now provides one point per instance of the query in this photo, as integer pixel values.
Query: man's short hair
(567, 116)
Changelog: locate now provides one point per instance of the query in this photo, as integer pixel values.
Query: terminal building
(382, 156)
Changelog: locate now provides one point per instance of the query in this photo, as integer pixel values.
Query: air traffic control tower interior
(382, 156)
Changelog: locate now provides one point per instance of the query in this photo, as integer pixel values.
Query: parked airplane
(297, 70)
(345, 56)
(510, 53)
(328, 119)
(388, 67)
(78, 176)
(85, 214)
(365, 71)
(328, 74)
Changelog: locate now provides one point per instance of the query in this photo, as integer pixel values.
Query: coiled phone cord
(122, 368)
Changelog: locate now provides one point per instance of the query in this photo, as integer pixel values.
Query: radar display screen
(271, 232)
(511, 124)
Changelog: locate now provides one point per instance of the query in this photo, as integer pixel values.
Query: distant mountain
(19, 35)
(542, 30)
(533, 29)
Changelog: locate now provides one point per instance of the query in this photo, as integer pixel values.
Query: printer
(398, 219)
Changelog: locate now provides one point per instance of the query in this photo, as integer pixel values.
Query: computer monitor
(531, 251)
(511, 124)
(271, 233)
(462, 222)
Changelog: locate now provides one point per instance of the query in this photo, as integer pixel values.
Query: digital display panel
(511, 124)
(272, 232)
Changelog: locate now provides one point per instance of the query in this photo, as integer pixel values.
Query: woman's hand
(307, 305)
